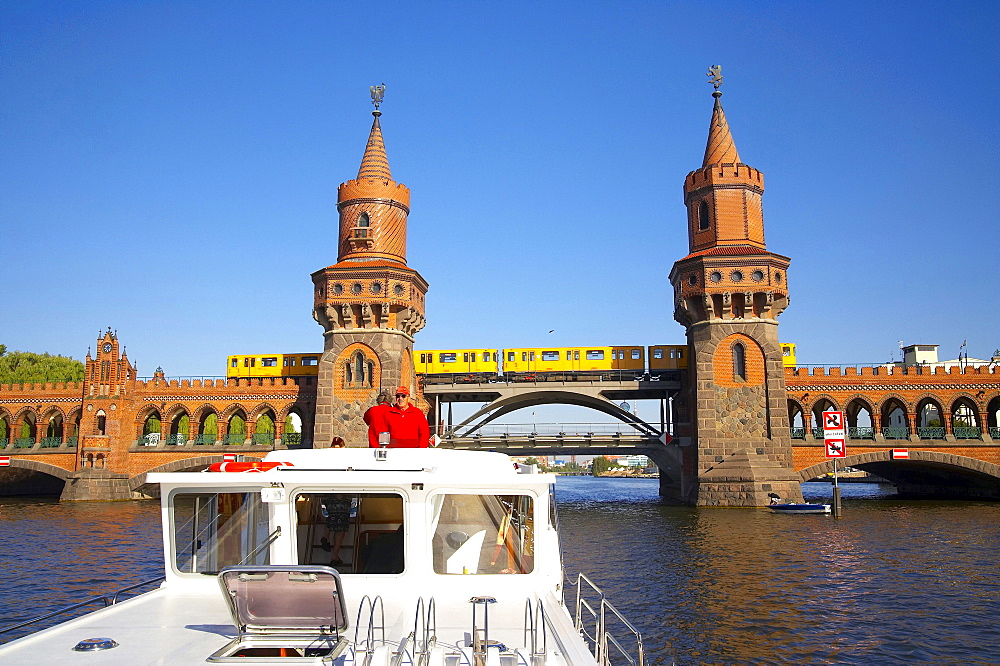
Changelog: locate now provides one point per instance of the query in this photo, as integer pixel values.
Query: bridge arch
(30, 477)
(894, 410)
(508, 404)
(923, 473)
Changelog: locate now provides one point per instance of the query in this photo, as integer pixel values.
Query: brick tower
(370, 303)
(728, 292)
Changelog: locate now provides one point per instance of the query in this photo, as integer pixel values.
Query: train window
(531, 356)
(636, 354)
(576, 356)
(550, 356)
(680, 353)
(269, 362)
(486, 357)
(786, 351)
(465, 357)
(246, 363)
(310, 360)
(450, 357)
(595, 354)
(569, 356)
(290, 361)
(423, 358)
(657, 353)
(235, 362)
(253, 362)
(524, 356)
(510, 356)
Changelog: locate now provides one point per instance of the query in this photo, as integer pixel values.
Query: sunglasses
(401, 395)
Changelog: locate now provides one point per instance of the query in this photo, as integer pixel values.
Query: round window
(716, 276)
(338, 288)
(398, 289)
(737, 276)
(692, 279)
(376, 287)
(777, 276)
(356, 288)
(757, 276)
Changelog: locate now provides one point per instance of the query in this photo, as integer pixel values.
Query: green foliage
(600, 465)
(18, 367)
(290, 425)
(184, 425)
(210, 426)
(237, 425)
(152, 424)
(265, 424)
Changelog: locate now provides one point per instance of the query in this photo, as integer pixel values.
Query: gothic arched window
(703, 216)
(739, 362)
(361, 228)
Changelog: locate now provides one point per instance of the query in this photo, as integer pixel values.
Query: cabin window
(215, 530)
(636, 354)
(550, 356)
(448, 358)
(483, 534)
(595, 354)
(465, 357)
(576, 355)
(269, 362)
(510, 356)
(363, 531)
(234, 363)
(310, 360)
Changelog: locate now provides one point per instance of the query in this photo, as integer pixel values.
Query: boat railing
(103, 599)
(481, 634)
(424, 631)
(535, 631)
(596, 618)
(372, 626)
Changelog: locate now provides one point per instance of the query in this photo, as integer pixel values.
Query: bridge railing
(548, 430)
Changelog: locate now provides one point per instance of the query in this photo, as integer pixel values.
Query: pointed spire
(720, 148)
(375, 164)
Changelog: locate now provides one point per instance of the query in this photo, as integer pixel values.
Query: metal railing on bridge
(569, 376)
(549, 430)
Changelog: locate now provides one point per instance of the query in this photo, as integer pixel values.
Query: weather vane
(714, 75)
(377, 93)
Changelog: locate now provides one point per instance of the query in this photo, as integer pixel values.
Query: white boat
(449, 558)
(800, 508)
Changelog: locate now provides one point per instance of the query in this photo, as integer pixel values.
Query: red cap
(402, 390)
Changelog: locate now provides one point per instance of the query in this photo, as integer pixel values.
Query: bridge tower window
(739, 362)
(703, 216)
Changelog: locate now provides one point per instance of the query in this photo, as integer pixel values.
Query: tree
(600, 465)
(18, 367)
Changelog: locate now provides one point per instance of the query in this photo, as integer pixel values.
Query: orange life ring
(252, 466)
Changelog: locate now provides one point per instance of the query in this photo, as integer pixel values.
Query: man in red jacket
(375, 418)
(408, 428)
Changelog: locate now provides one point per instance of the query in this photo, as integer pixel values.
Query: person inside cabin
(407, 425)
(375, 418)
(337, 514)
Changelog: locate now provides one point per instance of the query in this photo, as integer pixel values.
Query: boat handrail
(107, 601)
(601, 637)
(369, 641)
(425, 637)
(535, 620)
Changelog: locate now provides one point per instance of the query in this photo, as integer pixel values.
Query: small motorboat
(800, 508)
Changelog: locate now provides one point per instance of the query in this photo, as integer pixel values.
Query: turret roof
(375, 164)
(720, 148)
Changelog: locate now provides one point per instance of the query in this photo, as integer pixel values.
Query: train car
(272, 365)
(531, 363)
(464, 365)
(667, 357)
(628, 358)
(788, 355)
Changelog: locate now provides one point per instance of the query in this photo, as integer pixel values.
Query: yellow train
(522, 363)
(272, 365)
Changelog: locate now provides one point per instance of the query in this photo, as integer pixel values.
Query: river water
(892, 581)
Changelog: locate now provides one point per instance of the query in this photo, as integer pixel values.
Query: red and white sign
(4, 461)
(900, 454)
(834, 434)
(835, 448)
(229, 457)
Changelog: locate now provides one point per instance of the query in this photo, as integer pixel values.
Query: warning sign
(835, 448)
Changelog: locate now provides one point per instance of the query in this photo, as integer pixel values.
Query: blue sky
(170, 169)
